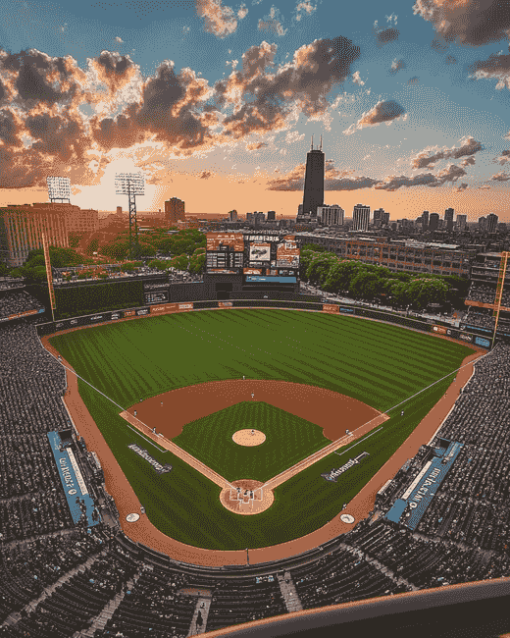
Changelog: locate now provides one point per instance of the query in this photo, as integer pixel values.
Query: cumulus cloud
(272, 23)
(414, 80)
(294, 136)
(243, 12)
(119, 40)
(484, 187)
(396, 66)
(469, 161)
(450, 59)
(255, 146)
(304, 7)
(205, 174)
(265, 101)
(357, 79)
(500, 177)
(497, 67)
(431, 155)
(470, 22)
(461, 187)
(383, 111)
(450, 174)
(385, 36)
(219, 20)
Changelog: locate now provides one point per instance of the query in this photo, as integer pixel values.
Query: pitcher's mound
(249, 438)
(246, 497)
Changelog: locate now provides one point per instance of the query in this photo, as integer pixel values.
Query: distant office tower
(233, 215)
(482, 223)
(448, 219)
(360, 217)
(385, 218)
(271, 215)
(300, 209)
(174, 210)
(330, 215)
(492, 222)
(119, 209)
(378, 217)
(425, 219)
(434, 221)
(249, 217)
(21, 229)
(313, 195)
(461, 223)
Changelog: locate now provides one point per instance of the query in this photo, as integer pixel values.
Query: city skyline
(216, 101)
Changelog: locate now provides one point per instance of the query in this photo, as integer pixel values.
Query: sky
(216, 102)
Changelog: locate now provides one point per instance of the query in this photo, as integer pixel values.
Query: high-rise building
(433, 221)
(385, 218)
(313, 194)
(330, 215)
(119, 210)
(249, 217)
(21, 229)
(259, 218)
(360, 217)
(378, 217)
(461, 223)
(271, 215)
(448, 219)
(482, 223)
(233, 215)
(492, 222)
(425, 219)
(174, 210)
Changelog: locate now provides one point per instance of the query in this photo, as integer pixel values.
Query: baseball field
(380, 365)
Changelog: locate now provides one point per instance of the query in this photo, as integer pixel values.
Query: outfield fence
(459, 332)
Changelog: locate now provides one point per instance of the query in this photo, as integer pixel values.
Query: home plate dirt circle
(238, 499)
(249, 438)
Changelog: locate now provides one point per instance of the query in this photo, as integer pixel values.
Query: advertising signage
(287, 252)
(225, 241)
(280, 280)
(252, 271)
(260, 252)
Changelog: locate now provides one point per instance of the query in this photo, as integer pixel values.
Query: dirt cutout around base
(240, 501)
(249, 438)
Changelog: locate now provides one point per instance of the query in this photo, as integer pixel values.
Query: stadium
(239, 459)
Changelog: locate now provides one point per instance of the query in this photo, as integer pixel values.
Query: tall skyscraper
(313, 195)
(174, 210)
(482, 223)
(360, 217)
(434, 221)
(492, 222)
(425, 219)
(385, 218)
(271, 215)
(448, 218)
(461, 223)
(330, 215)
(378, 217)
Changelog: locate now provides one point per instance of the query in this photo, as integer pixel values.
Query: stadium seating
(58, 578)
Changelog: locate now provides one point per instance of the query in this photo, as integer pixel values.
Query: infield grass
(376, 363)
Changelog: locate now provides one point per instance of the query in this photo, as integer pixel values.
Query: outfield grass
(378, 364)
(289, 439)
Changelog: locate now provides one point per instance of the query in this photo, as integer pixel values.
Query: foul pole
(49, 275)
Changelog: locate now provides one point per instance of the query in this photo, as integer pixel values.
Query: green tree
(365, 285)
(92, 247)
(197, 263)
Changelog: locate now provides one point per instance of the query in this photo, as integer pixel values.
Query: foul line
(360, 441)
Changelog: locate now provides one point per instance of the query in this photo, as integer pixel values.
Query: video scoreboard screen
(225, 253)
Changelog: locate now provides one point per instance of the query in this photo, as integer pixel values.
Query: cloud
(205, 174)
(385, 36)
(383, 111)
(497, 67)
(469, 161)
(255, 146)
(468, 146)
(414, 80)
(304, 7)
(334, 180)
(470, 22)
(396, 65)
(219, 20)
(450, 174)
(185, 30)
(484, 187)
(356, 79)
(119, 40)
(294, 136)
(265, 101)
(243, 12)
(461, 187)
(500, 177)
(450, 59)
(272, 24)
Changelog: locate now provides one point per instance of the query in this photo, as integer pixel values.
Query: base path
(144, 532)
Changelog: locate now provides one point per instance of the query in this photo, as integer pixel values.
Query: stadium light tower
(59, 188)
(130, 184)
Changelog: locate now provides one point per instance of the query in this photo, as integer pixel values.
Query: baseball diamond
(313, 369)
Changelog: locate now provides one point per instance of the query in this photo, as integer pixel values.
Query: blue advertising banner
(480, 341)
(280, 280)
(78, 499)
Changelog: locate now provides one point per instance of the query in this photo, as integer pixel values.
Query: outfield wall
(327, 308)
